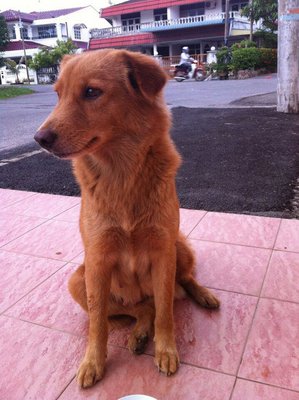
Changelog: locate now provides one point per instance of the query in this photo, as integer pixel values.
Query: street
(21, 116)
(235, 158)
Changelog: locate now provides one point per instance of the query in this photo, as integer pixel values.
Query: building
(164, 26)
(44, 28)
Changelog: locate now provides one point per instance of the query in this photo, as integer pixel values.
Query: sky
(42, 5)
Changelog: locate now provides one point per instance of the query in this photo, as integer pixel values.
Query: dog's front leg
(163, 276)
(98, 268)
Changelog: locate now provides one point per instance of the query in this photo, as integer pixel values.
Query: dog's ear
(144, 74)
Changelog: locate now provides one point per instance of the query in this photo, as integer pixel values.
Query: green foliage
(11, 65)
(223, 60)
(268, 59)
(267, 10)
(266, 38)
(245, 58)
(8, 92)
(243, 44)
(49, 57)
(244, 55)
(4, 36)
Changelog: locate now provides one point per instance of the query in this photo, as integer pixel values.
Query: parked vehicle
(197, 72)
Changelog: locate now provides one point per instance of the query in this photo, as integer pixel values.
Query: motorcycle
(181, 72)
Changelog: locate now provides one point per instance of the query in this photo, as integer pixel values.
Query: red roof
(121, 41)
(54, 13)
(17, 45)
(140, 5)
(13, 15)
(167, 36)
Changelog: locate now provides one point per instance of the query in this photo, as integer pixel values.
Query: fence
(47, 74)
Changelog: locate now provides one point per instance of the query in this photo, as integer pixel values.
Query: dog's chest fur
(132, 211)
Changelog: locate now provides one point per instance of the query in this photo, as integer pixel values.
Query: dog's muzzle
(45, 138)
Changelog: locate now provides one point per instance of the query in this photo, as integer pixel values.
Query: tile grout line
(243, 245)
(54, 217)
(233, 388)
(35, 287)
(268, 384)
(65, 388)
(17, 201)
(42, 257)
(200, 219)
(30, 230)
(43, 326)
(257, 304)
(181, 363)
(38, 256)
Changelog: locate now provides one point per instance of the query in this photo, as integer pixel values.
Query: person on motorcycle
(186, 60)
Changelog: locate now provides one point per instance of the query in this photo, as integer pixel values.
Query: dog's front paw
(89, 373)
(167, 360)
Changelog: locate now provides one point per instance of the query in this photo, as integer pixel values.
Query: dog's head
(103, 95)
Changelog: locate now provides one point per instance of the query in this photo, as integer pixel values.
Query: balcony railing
(198, 20)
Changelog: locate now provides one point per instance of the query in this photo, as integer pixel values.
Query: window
(77, 32)
(24, 32)
(160, 14)
(237, 5)
(192, 10)
(130, 22)
(12, 32)
(46, 31)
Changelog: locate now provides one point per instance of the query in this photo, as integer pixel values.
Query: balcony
(170, 24)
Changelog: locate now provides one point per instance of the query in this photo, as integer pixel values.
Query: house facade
(44, 28)
(164, 26)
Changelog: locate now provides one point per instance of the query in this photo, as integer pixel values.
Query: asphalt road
(236, 159)
(21, 116)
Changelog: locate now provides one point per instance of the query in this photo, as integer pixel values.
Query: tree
(267, 10)
(4, 37)
(49, 57)
(12, 66)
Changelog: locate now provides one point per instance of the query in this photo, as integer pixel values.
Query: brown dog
(112, 122)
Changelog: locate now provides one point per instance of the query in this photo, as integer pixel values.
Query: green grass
(7, 92)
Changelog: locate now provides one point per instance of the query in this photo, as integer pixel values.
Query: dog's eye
(92, 93)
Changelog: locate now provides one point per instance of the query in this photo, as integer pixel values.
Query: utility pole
(226, 25)
(288, 57)
(24, 49)
(251, 20)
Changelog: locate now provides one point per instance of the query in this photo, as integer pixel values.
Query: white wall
(217, 9)
(173, 12)
(7, 77)
(116, 20)
(147, 16)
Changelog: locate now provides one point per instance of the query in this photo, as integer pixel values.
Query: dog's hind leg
(77, 287)
(143, 312)
(184, 276)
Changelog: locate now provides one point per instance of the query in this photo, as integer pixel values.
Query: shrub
(245, 58)
(223, 60)
(244, 44)
(266, 39)
(268, 59)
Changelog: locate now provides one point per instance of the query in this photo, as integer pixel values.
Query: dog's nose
(45, 138)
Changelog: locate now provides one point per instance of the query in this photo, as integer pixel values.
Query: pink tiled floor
(249, 349)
